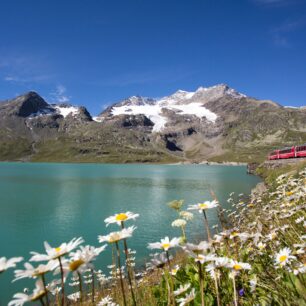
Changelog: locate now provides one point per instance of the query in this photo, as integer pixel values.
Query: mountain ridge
(216, 123)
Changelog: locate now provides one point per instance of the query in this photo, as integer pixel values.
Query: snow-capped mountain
(216, 123)
(181, 103)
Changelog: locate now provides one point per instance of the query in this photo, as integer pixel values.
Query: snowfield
(182, 102)
(154, 112)
(65, 111)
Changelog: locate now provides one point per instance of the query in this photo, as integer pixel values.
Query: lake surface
(56, 202)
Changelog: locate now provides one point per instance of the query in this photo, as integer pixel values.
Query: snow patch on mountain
(97, 119)
(154, 111)
(66, 110)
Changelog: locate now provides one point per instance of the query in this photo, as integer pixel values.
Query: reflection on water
(56, 202)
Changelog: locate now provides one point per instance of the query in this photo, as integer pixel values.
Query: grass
(15, 149)
(270, 175)
(67, 150)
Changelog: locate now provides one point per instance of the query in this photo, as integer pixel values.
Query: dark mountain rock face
(216, 123)
(24, 105)
(136, 121)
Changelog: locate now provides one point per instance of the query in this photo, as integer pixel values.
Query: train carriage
(289, 152)
(301, 150)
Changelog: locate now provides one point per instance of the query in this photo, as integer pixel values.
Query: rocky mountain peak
(136, 100)
(25, 105)
(180, 95)
(206, 94)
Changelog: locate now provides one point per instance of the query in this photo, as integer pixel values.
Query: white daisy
(121, 217)
(203, 206)
(165, 244)
(283, 257)
(203, 246)
(261, 245)
(8, 263)
(87, 254)
(181, 289)
(299, 220)
(301, 268)
(74, 296)
(107, 301)
(81, 260)
(54, 253)
(222, 262)
(201, 258)
(174, 269)
(238, 266)
(187, 299)
(22, 298)
(159, 260)
(117, 236)
(32, 272)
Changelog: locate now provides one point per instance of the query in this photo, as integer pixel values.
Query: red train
(290, 152)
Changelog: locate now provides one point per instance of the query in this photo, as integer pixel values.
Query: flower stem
(201, 284)
(206, 225)
(62, 279)
(217, 291)
(168, 289)
(92, 286)
(235, 292)
(171, 278)
(168, 260)
(42, 301)
(120, 273)
(45, 287)
(128, 267)
(80, 286)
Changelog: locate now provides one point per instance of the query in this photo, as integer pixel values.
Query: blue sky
(97, 52)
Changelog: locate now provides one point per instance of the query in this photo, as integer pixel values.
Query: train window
(302, 148)
(285, 151)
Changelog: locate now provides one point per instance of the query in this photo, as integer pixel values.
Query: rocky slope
(216, 123)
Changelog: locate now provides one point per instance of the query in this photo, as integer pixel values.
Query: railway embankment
(256, 168)
(269, 170)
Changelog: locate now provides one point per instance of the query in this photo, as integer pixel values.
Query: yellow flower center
(57, 250)
(289, 193)
(121, 217)
(283, 258)
(166, 246)
(237, 267)
(203, 206)
(234, 234)
(74, 265)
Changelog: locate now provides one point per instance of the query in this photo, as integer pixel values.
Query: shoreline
(132, 163)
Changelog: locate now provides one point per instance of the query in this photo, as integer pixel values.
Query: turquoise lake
(56, 202)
